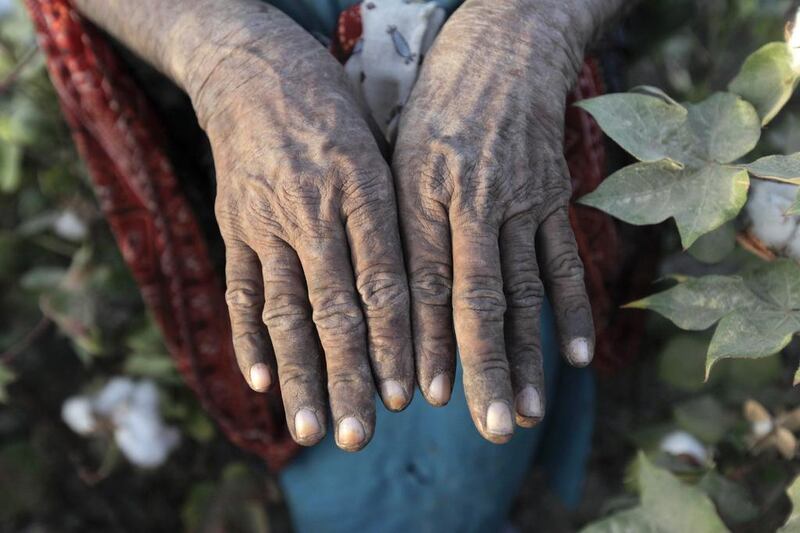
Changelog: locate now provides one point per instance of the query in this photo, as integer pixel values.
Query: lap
(426, 469)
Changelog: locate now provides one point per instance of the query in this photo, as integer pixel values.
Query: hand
(483, 190)
(306, 207)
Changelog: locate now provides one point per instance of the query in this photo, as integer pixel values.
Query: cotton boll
(144, 440)
(683, 443)
(114, 395)
(761, 428)
(766, 207)
(68, 226)
(77, 413)
(793, 37)
(145, 396)
(130, 411)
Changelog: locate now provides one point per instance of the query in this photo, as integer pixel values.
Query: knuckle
(367, 195)
(243, 294)
(285, 313)
(337, 312)
(432, 284)
(380, 289)
(481, 296)
(298, 377)
(524, 357)
(565, 266)
(487, 364)
(350, 380)
(524, 293)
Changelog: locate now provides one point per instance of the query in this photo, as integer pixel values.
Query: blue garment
(428, 469)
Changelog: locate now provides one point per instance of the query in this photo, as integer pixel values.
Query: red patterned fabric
(348, 32)
(119, 137)
(595, 232)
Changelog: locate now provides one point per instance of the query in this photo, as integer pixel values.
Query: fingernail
(498, 419)
(306, 424)
(578, 352)
(259, 377)
(351, 433)
(529, 403)
(393, 394)
(439, 389)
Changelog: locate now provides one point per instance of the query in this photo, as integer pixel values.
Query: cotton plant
(693, 168)
(127, 411)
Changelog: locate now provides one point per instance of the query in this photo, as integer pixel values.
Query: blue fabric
(320, 16)
(428, 469)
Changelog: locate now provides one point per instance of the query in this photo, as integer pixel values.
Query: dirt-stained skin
(316, 269)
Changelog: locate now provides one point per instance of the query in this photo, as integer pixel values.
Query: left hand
(483, 194)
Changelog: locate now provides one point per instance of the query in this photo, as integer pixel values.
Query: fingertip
(579, 352)
(350, 434)
(529, 407)
(307, 427)
(260, 377)
(439, 390)
(394, 395)
(499, 425)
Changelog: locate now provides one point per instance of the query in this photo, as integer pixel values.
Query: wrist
(253, 48)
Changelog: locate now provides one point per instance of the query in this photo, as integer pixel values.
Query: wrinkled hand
(306, 207)
(483, 189)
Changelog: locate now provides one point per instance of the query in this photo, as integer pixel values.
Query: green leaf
(698, 303)
(724, 126)
(653, 127)
(794, 209)
(746, 333)
(785, 168)
(704, 418)
(667, 505)
(681, 363)
(43, 278)
(648, 127)
(10, 167)
(792, 524)
(758, 314)
(767, 79)
(683, 151)
(731, 499)
(634, 520)
(156, 366)
(649, 90)
(715, 246)
(7, 377)
(699, 199)
(750, 376)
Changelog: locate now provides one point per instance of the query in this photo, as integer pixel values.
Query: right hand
(306, 207)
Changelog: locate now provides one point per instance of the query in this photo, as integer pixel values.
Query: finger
(426, 239)
(245, 297)
(478, 308)
(287, 315)
(563, 276)
(381, 282)
(523, 291)
(340, 326)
